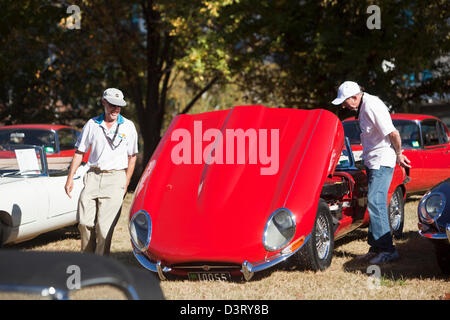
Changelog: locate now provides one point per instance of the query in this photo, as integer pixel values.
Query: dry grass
(414, 276)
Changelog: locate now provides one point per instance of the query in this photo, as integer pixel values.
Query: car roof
(36, 126)
(405, 116)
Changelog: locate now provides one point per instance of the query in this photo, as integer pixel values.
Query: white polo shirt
(109, 149)
(376, 124)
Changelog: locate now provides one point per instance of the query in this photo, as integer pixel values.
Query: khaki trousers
(99, 209)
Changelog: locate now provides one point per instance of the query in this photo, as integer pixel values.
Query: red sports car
(237, 191)
(58, 140)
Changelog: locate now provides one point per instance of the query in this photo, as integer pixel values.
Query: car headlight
(279, 230)
(431, 206)
(141, 230)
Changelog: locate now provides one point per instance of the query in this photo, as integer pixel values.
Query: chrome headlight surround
(140, 228)
(279, 229)
(431, 206)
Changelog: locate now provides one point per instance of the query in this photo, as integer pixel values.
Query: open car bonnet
(216, 177)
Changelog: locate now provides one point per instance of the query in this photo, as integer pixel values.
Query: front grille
(205, 266)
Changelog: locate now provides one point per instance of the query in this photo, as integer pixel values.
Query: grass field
(414, 276)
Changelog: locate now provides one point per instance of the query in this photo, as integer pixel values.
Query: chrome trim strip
(205, 267)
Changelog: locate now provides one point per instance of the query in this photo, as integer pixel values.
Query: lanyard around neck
(111, 141)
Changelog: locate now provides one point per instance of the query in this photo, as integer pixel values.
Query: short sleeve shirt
(110, 148)
(376, 124)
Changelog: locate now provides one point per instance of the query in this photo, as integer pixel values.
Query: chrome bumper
(248, 269)
(437, 236)
(154, 267)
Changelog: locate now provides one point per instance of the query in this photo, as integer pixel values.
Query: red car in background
(206, 208)
(58, 140)
(425, 142)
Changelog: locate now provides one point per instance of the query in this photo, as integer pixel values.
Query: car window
(38, 137)
(352, 131)
(18, 161)
(430, 133)
(443, 133)
(346, 160)
(67, 139)
(409, 132)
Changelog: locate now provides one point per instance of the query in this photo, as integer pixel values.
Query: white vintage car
(32, 196)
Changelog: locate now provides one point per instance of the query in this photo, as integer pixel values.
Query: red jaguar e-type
(238, 191)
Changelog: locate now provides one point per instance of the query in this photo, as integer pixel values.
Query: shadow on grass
(70, 232)
(417, 260)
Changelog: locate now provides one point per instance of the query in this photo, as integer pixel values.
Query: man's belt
(98, 170)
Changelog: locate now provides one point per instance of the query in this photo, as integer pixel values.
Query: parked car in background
(211, 219)
(32, 195)
(425, 141)
(58, 140)
(434, 221)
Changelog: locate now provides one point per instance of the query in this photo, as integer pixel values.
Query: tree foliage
(26, 81)
(298, 52)
(284, 53)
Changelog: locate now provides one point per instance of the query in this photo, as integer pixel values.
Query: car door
(25, 196)
(409, 131)
(435, 166)
(59, 202)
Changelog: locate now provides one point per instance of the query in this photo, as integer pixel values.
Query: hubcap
(395, 214)
(322, 237)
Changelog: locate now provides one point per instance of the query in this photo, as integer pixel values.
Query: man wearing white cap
(112, 140)
(382, 149)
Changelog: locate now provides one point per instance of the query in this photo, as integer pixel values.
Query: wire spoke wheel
(396, 213)
(317, 253)
(323, 240)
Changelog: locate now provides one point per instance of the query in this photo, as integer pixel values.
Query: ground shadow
(70, 232)
(417, 260)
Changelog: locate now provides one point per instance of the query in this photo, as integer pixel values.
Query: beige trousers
(99, 209)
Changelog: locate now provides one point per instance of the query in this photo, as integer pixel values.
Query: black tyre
(442, 250)
(396, 211)
(317, 253)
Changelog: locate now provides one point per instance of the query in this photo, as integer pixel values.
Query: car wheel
(397, 213)
(442, 249)
(317, 253)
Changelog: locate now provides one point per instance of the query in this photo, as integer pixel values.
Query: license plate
(209, 276)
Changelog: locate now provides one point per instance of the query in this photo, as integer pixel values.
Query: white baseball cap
(114, 96)
(346, 90)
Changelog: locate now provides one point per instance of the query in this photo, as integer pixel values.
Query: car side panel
(26, 202)
(418, 180)
(435, 162)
